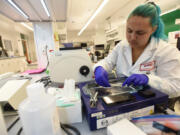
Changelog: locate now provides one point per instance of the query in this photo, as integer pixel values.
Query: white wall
(32, 48)
(100, 37)
(122, 32)
(59, 28)
(11, 30)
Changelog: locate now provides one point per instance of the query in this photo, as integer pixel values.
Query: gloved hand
(136, 80)
(101, 76)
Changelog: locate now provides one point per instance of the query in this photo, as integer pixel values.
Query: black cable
(65, 130)
(19, 132)
(160, 109)
(67, 127)
(9, 128)
(43, 79)
(47, 83)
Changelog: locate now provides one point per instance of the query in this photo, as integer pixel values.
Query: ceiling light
(45, 8)
(16, 7)
(93, 16)
(27, 26)
(166, 12)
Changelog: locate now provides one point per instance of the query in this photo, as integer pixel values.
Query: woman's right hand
(101, 76)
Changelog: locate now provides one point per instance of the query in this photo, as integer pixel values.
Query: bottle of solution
(95, 58)
(38, 112)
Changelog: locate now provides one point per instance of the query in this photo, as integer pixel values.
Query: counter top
(3, 58)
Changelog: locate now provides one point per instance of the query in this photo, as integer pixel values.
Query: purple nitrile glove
(136, 80)
(101, 76)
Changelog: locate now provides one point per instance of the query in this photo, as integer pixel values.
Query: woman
(144, 58)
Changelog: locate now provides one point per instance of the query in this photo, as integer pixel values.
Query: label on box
(104, 122)
(96, 114)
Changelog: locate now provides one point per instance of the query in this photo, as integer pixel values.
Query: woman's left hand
(136, 80)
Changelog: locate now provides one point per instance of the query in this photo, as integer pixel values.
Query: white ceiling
(75, 13)
(35, 10)
(116, 11)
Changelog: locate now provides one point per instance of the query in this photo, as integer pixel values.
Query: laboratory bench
(6, 121)
(13, 64)
(83, 127)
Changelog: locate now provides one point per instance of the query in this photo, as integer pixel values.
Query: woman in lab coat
(145, 58)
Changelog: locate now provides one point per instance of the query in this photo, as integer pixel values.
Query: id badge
(149, 66)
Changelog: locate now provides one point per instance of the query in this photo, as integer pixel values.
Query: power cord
(9, 128)
(66, 127)
(19, 132)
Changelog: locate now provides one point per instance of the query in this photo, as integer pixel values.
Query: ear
(154, 29)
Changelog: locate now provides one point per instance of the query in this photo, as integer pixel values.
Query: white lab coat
(159, 61)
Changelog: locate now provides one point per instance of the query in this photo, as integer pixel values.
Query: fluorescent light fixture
(93, 16)
(27, 26)
(45, 8)
(16, 7)
(166, 12)
(123, 22)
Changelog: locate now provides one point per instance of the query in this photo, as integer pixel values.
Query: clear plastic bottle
(38, 112)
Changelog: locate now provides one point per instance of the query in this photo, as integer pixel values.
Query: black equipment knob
(84, 70)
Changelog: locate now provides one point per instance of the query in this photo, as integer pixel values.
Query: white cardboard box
(124, 127)
(71, 114)
(14, 92)
(69, 111)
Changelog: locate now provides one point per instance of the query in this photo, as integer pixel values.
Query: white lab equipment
(95, 58)
(67, 64)
(13, 92)
(38, 112)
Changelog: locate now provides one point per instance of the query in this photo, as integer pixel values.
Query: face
(138, 31)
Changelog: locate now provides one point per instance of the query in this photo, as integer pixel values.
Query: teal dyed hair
(153, 12)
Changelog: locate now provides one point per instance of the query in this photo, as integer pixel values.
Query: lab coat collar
(127, 52)
(147, 53)
(151, 46)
